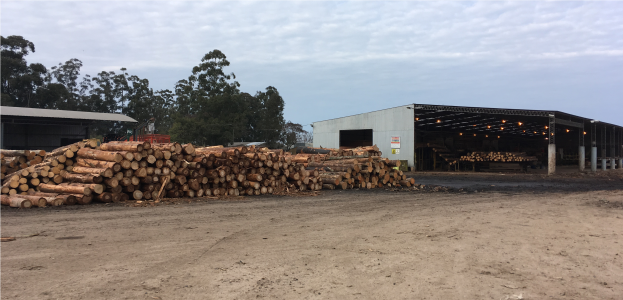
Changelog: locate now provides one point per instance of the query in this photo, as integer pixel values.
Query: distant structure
(47, 129)
(247, 144)
(436, 137)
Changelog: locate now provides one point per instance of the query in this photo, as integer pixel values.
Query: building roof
(62, 114)
(238, 144)
(561, 117)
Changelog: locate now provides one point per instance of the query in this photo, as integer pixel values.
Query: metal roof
(237, 144)
(62, 114)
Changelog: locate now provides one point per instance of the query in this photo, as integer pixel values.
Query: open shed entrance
(355, 138)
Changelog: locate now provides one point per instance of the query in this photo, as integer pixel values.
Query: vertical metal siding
(43, 137)
(397, 121)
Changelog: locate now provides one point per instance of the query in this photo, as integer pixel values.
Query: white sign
(395, 142)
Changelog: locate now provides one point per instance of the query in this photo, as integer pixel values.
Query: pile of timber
(36, 178)
(15, 160)
(498, 157)
(346, 172)
(329, 152)
(119, 171)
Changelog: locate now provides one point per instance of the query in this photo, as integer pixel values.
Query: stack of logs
(362, 168)
(15, 160)
(30, 182)
(119, 171)
(497, 157)
(328, 152)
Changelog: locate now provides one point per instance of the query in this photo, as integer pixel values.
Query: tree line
(207, 108)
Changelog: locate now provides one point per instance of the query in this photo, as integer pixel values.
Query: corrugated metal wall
(385, 124)
(41, 137)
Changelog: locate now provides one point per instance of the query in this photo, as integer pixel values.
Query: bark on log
(92, 163)
(121, 147)
(104, 197)
(15, 201)
(101, 155)
(65, 189)
(82, 178)
(82, 199)
(103, 172)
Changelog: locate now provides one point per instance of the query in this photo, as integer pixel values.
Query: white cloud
(357, 51)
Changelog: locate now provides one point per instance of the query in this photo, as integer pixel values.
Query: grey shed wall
(397, 121)
(40, 137)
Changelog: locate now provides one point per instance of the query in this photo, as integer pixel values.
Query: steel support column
(604, 146)
(582, 158)
(593, 146)
(551, 149)
(620, 146)
(581, 150)
(613, 153)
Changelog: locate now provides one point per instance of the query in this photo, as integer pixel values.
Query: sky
(330, 59)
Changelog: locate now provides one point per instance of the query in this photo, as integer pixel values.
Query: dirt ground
(487, 236)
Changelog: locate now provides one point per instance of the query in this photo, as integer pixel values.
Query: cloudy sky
(332, 59)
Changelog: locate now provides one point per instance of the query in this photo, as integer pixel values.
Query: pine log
(65, 189)
(104, 197)
(331, 179)
(104, 172)
(54, 201)
(131, 147)
(111, 182)
(83, 199)
(137, 195)
(96, 188)
(254, 177)
(101, 155)
(15, 201)
(82, 178)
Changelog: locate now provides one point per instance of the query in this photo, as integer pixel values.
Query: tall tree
(208, 104)
(293, 133)
(68, 74)
(20, 81)
(271, 126)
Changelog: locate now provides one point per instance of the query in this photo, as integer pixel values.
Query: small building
(434, 137)
(47, 129)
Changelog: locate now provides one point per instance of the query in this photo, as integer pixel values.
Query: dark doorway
(355, 138)
(68, 141)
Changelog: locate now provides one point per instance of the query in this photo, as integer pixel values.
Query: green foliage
(211, 110)
(20, 81)
(293, 133)
(206, 109)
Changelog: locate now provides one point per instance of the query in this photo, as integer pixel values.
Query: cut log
(254, 177)
(83, 199)
(101, 155)
(65, 189)
(82, 178)
(331, 179)
(104, 197)
(137, 195)
(54, 201)
(15, 201)
(131, 147)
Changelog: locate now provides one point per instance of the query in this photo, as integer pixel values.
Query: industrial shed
(47, 129)
(435, 137)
